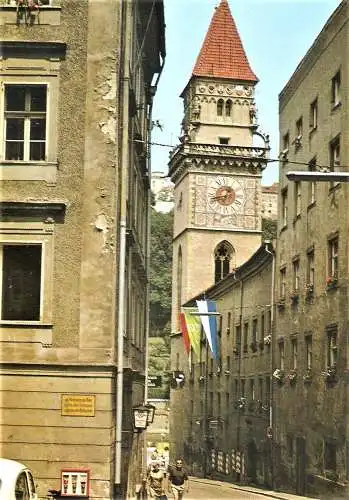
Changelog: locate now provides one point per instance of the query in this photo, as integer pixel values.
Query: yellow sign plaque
(78, 405)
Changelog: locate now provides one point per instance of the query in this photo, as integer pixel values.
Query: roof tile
(222, 53)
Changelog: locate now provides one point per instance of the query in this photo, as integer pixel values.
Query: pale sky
(276, 35)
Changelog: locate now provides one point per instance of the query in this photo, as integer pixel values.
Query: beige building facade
(311, 405)
(75, 106)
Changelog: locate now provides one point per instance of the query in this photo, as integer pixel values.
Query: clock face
(225, 195)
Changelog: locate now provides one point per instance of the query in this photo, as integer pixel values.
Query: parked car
(16, 481)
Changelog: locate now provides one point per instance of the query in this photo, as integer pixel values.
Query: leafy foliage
(159, 364)
(160, 273)
(269, 229)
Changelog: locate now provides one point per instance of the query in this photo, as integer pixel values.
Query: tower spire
(222, 54)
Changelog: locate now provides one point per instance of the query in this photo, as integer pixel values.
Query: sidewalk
(250, 489)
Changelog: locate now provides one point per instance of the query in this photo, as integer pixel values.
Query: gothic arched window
(220, 104)
(223, 255)
(228, 108)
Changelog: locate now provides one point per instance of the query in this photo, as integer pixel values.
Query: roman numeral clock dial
(226, 196)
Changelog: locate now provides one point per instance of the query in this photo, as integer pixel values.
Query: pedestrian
(178, 480)
(156, 482)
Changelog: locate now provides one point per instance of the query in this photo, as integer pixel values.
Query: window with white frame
(282, 355)
(295, 278)
(297, 199)
(25, 113)
(335, 153)
(333, 257)
(312, 185)
(284, 208)
(331, 348)
(25, 273)
(336, 89)
(294, 350)
(309, 351)
(313, 115)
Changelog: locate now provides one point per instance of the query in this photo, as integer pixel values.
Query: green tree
(159, 364)
(269, 229)
(161, 273)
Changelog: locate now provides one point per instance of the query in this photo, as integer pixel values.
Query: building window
(25, 122)
(228, 363)
(335, 153)
(254, 330)
(330, 458)
(252, 390)
(223, 255)
(331, 351)
(243, 391)
(336, 89)
(333, 258)
(245, 336)
(260, 389)
(224, 140)
(312, 185)
(289, 446)
(282, 355)
(228, 323)
(294, 347)
(299, 133)
(285, 142)
(311, 267)
(284, 208)
(295, 278)
(219, 405)
(283, 283)
(220, 104)
(238, 335)
(267, 390)
(228, 107)
(21, 282)
(309, 351)
(262, 326)
(297, 199)
(313, 115)
(269, 321)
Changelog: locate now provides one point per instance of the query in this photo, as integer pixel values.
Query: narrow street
(216, 490)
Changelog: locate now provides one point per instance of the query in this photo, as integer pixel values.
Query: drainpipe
(124, 163)
(239, 376)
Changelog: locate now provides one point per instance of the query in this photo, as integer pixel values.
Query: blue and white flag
(209, 324)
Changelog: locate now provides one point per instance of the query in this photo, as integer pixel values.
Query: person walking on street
(156, 482)
(178, 480)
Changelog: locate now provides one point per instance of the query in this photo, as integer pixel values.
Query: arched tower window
(220, 104)
(223, 256)
(228, 108)
(179, 283)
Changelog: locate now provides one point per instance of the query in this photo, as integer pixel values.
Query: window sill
(311, 205)
(26, 332)
(28, 171)
(312, 131)
(336, 106)
(49, 15)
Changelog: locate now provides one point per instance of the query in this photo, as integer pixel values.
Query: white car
(16, 481)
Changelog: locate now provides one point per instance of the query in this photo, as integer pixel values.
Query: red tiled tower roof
(222, 54)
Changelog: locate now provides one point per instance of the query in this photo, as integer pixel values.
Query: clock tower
(217, 167)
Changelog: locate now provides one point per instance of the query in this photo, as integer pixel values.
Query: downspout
(124, 126)
(240, 347)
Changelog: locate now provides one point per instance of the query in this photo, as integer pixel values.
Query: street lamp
(151, 413)
(140, 417)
